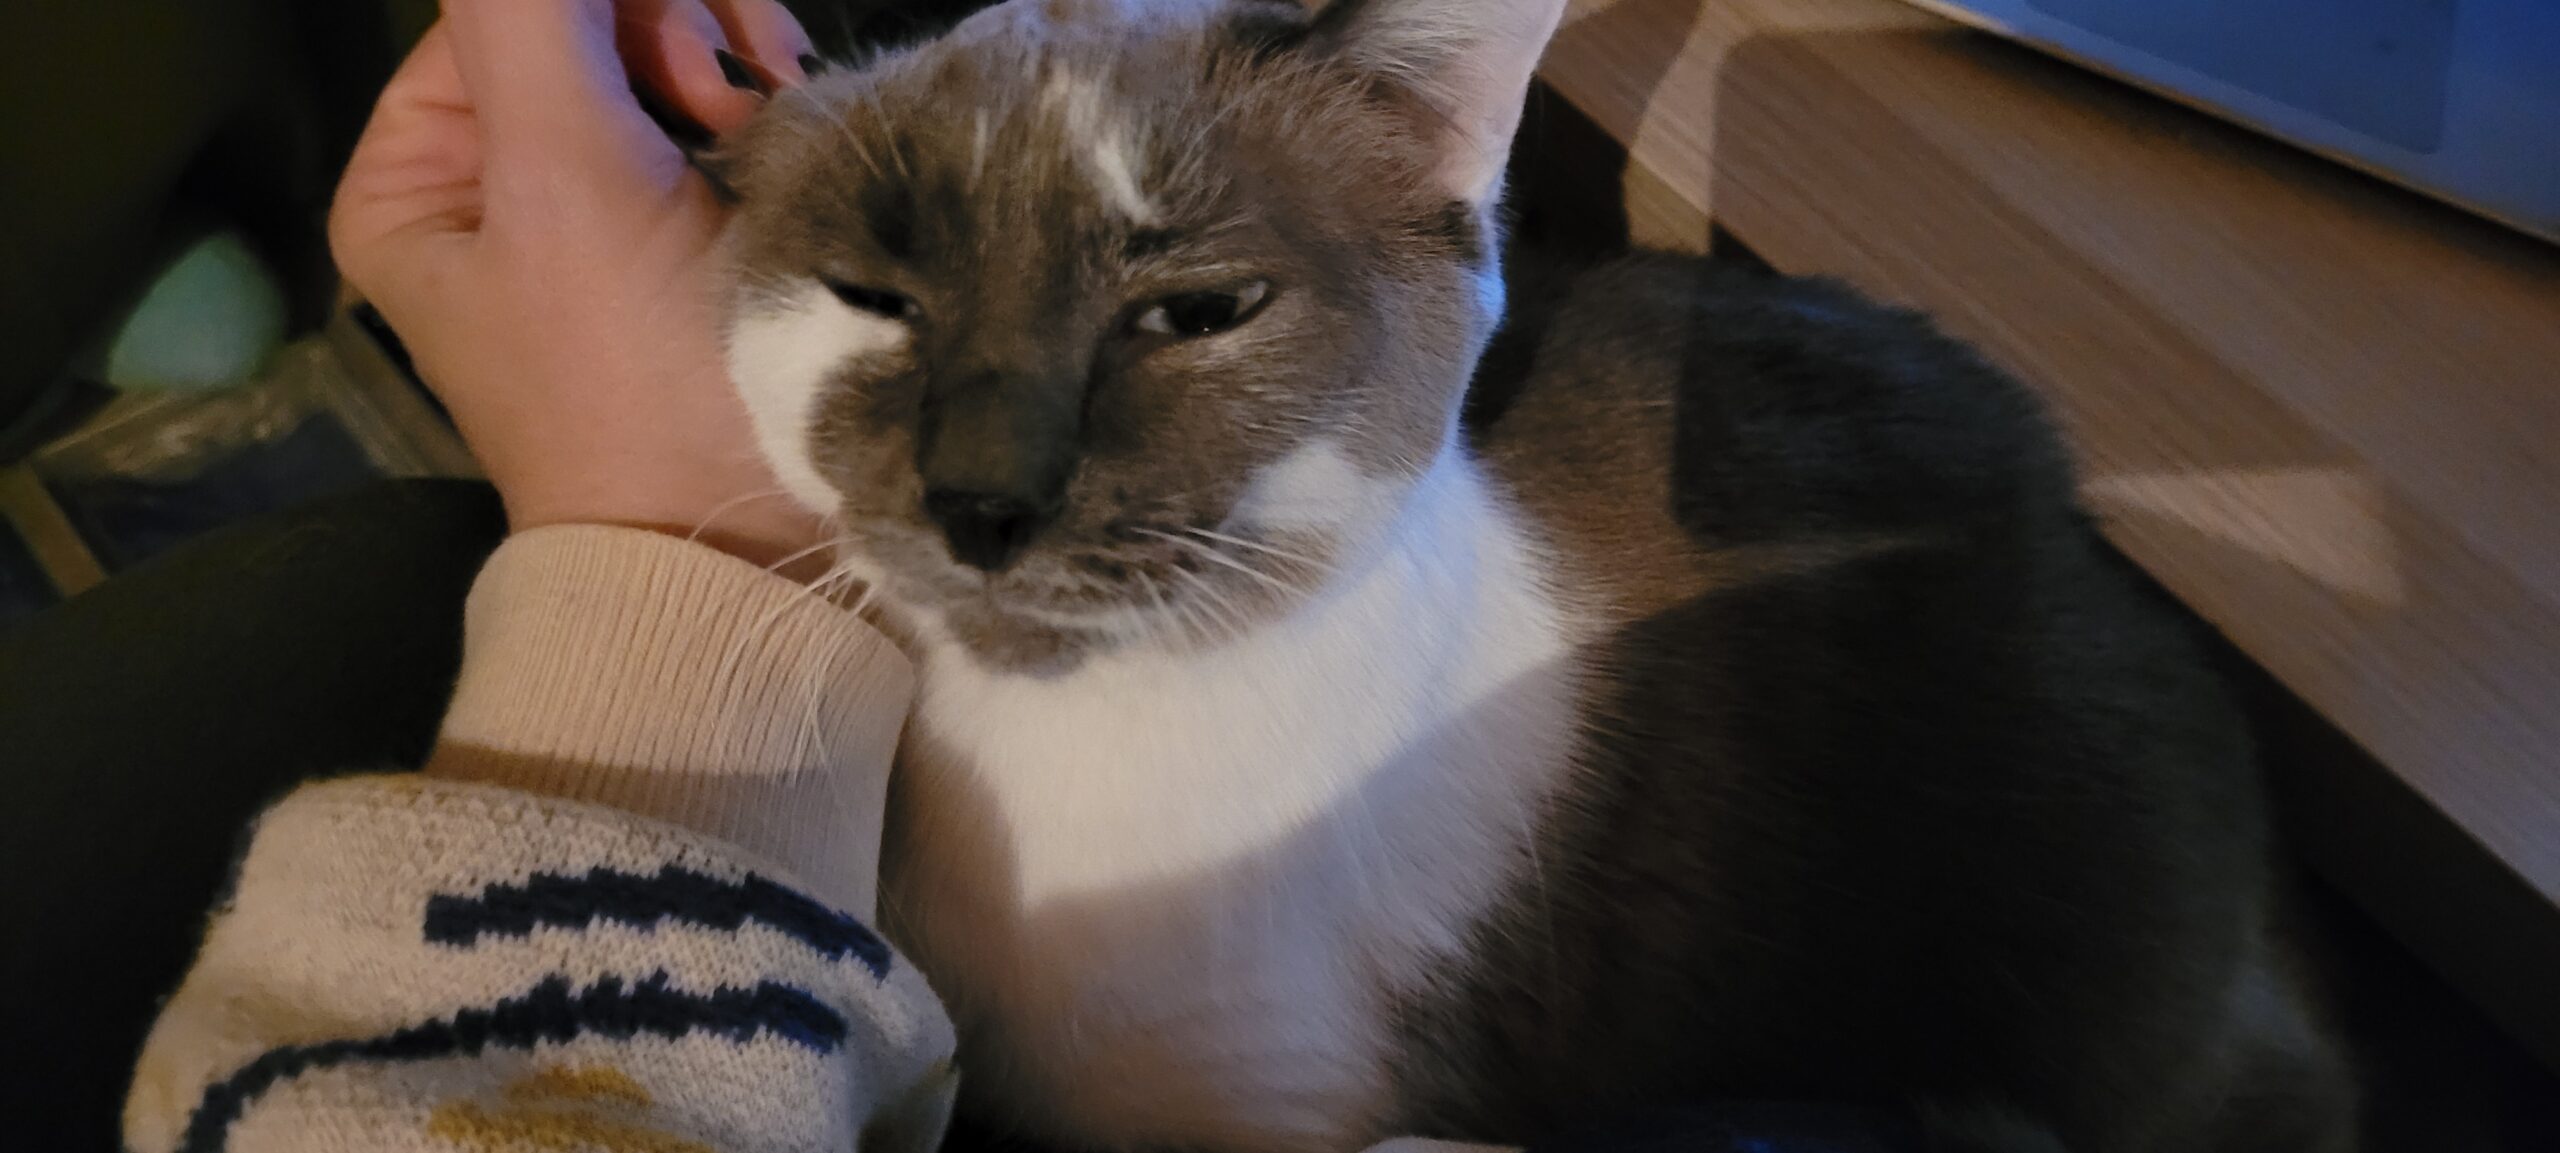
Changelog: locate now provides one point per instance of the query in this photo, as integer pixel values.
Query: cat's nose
(986, 530)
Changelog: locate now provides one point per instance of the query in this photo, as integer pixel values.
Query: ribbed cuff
(635, 670)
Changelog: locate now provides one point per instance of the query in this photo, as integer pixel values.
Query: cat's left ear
(1465, 64)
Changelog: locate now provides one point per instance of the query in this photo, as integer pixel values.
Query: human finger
(415, 169)
(769, 34)
(675, 49)
(552, 94)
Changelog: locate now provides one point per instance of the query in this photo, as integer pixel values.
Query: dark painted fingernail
(684, 130)
(810, 65)
(735, 71)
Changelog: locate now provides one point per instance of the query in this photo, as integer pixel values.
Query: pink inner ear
(1469, 62)
(1480, 130)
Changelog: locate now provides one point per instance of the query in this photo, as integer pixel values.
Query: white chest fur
(1171, 899)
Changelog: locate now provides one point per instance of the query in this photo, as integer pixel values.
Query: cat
(1368, 693)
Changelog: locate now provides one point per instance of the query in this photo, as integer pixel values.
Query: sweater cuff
(632, 669)
(423, 966)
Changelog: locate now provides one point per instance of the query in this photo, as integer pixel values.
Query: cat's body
(1958, 818)
(1733, 706)
(1179, 901)
(1862, 776)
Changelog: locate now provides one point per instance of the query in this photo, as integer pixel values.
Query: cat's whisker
(1155, 596)
(1260, 547)
(725, 507)
(794, 558)
(1207, 553)
(1203, 625)
(1176, 612)
(727, 670)
(1232, 625)
(832, 583)
(819, 672)
(870, 593)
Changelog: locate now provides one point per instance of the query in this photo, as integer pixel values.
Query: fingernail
(735, 71)
(810, 65)
(682, 129)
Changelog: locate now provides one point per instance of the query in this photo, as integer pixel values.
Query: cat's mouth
(1158, 585)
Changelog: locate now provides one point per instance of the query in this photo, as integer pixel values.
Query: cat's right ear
(1464, 64)
(716, 168)
(788, 114)
(752, 156)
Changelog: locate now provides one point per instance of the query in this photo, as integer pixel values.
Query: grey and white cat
(1330, 732)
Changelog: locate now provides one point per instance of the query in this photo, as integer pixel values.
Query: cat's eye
(878, 302)
(1192, 314)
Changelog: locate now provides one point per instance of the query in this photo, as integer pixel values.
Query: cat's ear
(767, 152)
(1465, 64)
(718, 168)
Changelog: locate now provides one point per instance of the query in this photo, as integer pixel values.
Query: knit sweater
(623, 907)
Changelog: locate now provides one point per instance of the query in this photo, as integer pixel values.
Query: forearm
(664, 679)
(614, 911)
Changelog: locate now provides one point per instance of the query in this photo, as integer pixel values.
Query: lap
(144, 723)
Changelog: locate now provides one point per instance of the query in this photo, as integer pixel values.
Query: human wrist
(629, 668)
(766, 531)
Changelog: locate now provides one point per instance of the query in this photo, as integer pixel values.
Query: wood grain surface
(2323, 411)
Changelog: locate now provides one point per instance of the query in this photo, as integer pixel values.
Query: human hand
(546, 254)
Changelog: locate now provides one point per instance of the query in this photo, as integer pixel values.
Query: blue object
(210, 321)
(2459, 99)
(127, 521)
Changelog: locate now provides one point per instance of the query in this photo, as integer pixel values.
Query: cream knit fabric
(665, 679)
(629, 928)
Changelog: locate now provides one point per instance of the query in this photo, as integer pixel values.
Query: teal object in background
(209, 321)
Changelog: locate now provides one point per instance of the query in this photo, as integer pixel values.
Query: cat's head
(1101, 323)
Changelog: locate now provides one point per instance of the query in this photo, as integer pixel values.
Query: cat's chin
(1014, 642)
(1039, 642)
(1046, 617)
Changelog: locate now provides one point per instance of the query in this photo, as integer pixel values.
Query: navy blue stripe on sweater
(672, 894)
(551, 1011)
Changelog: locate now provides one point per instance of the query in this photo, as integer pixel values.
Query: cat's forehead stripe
(1105, 142)
(978, 147)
